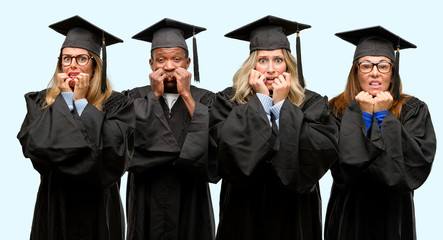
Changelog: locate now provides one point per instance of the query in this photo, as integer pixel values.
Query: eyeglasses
(81, 59)
(367, 67)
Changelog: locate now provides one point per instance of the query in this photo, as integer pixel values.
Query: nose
(270, 69)
(169, 65)
(74, 63)
(375, 71)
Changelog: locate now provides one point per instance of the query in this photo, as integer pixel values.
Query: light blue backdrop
(29, 51)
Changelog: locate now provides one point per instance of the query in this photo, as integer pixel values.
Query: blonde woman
(78, 134)
(275, 140)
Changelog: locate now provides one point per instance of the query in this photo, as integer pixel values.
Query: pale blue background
(29, 51)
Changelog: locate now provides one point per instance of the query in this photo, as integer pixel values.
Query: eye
(160, 60)
(366, 66)
(82, 58)
(66, 59)
(279, 60)
(177, 59)
(262, 60)
(384, 66)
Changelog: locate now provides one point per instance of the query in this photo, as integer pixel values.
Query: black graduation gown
(80, 161)
(168, 194)
(270, 186)
(374, 180)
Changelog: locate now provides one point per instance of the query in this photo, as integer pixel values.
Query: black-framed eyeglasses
(81, 59)
(367, 67)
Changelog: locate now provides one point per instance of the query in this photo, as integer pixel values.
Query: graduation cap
(378, 41)
(270, 33)
(83, 34)
(168, 33)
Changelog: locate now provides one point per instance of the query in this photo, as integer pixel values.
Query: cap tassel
(195, 56)
(299, 64)
(103, 81)
(396, 75)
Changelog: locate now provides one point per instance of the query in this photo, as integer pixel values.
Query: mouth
(170, 79)
(72, 75)
(375, 84)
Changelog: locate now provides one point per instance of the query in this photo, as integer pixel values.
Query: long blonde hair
(353, 87)
(94, 95)
(243, 90)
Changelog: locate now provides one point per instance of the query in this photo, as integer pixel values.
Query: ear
(151, 63)
(188, 62)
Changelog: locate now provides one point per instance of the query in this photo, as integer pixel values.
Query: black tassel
(396, 75)
(195, 56)
(299, 64)
(103, 81)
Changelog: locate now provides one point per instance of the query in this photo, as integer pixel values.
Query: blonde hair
(94, 95)
(353, 87)
(243, 90)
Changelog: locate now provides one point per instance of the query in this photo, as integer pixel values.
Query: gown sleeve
(94, 149)
(305, 148)
(196, 155)
(308, 143)
(399, 155)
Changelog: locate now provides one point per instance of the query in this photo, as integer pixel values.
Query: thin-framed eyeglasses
(367, 67)
(81, 59)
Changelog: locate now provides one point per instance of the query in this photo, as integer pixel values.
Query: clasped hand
(370, 104)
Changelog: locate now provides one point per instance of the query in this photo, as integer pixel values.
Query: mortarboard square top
(168, 33)
(83, 34)
(267, 33)
(374, 41)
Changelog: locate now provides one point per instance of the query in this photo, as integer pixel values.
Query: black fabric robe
(375, 178)
(80, 161)
(168, 194)
(270, 186)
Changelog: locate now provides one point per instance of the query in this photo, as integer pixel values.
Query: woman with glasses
(78, 134)
(275, 140)
(387, 145)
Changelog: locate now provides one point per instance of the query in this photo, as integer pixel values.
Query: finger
(360, 95)
(261, 78)
(287, 77)
(282, 79)
(62, 77)
(183, 73)
(255, 76)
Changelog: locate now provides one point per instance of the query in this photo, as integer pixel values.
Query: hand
(183, 78)
(63, 82)
(81, 86)
(281, 87)
(257, 82)
(366, 102)
(156, 79)
(383, 101)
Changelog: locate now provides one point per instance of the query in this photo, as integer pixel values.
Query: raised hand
(183, 78)
(383, 101)
(63, 82)
(281, 87)
(366, 102)
(257, 82)
(156, 79)
(81, 86)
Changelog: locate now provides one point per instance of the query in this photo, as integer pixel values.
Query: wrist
(186, 95)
